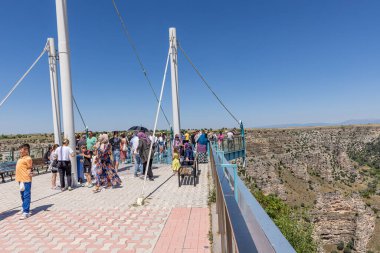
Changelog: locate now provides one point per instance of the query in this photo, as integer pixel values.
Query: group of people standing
(100, 158)
(185, 143)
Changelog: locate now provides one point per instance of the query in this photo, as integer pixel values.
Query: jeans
(65, 170)
(150, 172)
(25, 197)
(80, 169)
(137, 163)
(116, 155)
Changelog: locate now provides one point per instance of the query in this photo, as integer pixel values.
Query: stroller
(189, 164)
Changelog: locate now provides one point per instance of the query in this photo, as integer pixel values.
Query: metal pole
(66, 89)
(141, 199)
(54, 92)
(243, 140)
(174, 77)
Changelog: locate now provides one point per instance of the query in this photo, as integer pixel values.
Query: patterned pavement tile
(108, 221)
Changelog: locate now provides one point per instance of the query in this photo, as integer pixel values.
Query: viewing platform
(173, 219)
(217, 214)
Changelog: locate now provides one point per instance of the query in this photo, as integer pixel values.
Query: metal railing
(243, 224)
(233, 148)
(13, 155)
(231, 145)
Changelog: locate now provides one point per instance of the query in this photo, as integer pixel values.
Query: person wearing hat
(63, 155)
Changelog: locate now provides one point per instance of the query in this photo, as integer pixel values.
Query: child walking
(175, 163)
(87, 155)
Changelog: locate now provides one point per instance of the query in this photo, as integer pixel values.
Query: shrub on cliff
(340, 245)
(347, 250)
(291, 221)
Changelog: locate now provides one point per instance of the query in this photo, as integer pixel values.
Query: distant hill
(344, 123)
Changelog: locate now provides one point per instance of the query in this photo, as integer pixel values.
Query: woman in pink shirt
(220, 140)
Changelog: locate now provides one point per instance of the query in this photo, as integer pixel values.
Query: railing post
(12, 154)
(243, 139)
(235, 184)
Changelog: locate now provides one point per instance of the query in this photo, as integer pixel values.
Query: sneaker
(70, 189)
(24, 216)
(21, 212)
(151, 179)
(90, 185)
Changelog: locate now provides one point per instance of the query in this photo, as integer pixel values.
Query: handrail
(235, 199)
(235, 236)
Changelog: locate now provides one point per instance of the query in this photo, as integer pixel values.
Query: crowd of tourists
(100, 158)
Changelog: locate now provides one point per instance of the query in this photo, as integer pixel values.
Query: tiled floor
(186, 230)
(108, 221)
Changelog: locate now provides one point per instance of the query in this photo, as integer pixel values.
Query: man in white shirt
(136, 156)
(230, 136)
(63, 154)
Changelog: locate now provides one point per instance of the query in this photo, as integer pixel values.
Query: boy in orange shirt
(24, 176)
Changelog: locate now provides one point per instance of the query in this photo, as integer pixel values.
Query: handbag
(22, 186)
(54, 168)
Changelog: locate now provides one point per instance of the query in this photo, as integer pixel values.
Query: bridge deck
(172, 220)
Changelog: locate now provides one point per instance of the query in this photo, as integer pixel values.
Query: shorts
(87, 169)
(116, 155)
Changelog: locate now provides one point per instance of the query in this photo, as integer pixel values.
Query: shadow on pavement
(42, 208)
(14, 211)
(7, 214)
(189, 180)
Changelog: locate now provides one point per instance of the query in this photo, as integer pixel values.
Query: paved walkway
(172, 220)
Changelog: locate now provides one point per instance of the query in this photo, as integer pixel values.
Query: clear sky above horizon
(270, 61)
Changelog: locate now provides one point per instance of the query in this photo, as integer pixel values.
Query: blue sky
(271, 61)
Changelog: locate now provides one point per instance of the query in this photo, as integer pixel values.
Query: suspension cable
(80, 114)
(131, 42)
(151, 152)
(205, 82)
(22, 78)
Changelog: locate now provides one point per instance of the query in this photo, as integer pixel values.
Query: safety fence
(13, 155)
(243, 224)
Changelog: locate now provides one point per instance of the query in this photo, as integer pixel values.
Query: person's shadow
(34, 211)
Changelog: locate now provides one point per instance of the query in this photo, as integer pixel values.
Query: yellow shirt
(24, 169)
(175, 164)
(187, 136)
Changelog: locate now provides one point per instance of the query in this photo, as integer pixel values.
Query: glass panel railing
(231, 145)
(9, 155)
(265, 234)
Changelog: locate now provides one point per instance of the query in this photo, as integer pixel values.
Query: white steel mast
(66, 87)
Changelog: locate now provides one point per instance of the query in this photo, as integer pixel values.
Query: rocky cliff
(313, 167)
